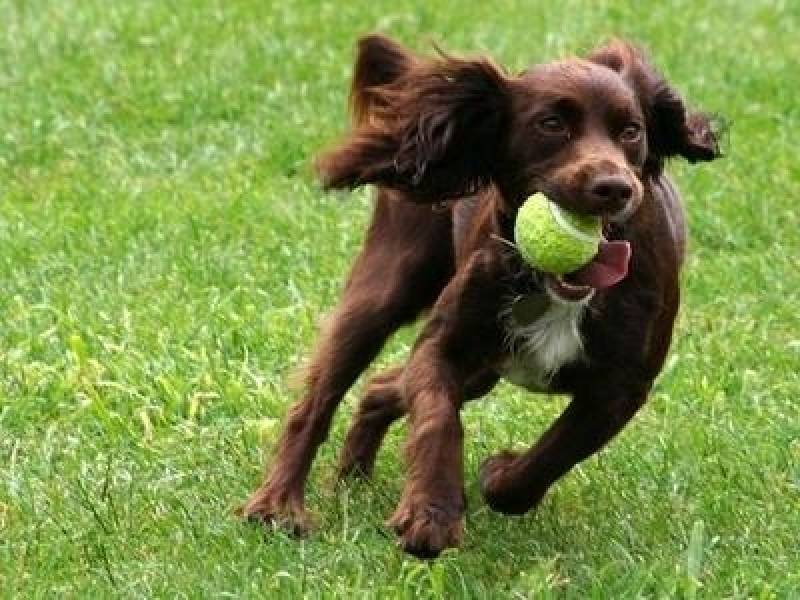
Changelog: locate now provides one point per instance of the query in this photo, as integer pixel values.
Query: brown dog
(454, 147)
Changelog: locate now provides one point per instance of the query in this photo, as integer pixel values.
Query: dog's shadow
(579, 518)
(555, 528)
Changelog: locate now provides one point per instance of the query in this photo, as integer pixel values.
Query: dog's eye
(553, 125)
(631, 133)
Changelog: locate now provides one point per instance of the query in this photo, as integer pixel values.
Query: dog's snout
(610, 192)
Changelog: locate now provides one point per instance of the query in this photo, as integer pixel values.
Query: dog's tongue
(608, 267)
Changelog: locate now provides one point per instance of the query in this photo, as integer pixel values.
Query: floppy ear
(379, 62)
(435, 129)
(672, 129)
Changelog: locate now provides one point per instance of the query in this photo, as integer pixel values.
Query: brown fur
(463, 137)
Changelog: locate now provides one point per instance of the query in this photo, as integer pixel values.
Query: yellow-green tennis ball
(555, 240)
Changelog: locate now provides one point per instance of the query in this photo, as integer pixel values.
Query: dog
(453, 147)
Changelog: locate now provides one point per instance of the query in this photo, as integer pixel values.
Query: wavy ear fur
(379, 62)
(433, 128)
(672, 129)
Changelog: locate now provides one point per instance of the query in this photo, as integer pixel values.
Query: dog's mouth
(607, 268)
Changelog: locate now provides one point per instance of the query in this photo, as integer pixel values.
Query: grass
(165, 257)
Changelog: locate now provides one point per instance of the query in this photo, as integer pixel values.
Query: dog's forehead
(578, 78)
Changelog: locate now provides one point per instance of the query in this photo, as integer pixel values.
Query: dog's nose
(610, 193)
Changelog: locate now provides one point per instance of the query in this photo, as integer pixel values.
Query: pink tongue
(608, 267)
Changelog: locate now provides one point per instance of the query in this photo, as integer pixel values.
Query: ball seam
(562, 221)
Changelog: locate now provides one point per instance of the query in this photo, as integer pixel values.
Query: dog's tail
(380, 61)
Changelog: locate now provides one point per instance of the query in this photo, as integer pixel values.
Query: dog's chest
(542, 335)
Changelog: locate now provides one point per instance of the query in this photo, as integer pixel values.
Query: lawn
(166, 257)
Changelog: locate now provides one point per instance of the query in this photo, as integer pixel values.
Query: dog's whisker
(503, 240)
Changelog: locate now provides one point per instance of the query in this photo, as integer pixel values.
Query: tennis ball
(555, 240)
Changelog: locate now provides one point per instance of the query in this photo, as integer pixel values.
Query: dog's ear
(379, 62)
(672, 129)
(433, 128)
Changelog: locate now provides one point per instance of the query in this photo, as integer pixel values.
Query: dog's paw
(502, 489)
(425, 529)
(268, 507)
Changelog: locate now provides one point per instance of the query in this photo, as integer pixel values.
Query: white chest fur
(540, 348)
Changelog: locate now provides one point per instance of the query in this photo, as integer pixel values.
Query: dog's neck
(542, 335)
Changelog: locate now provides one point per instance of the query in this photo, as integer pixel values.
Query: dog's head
(588, 132)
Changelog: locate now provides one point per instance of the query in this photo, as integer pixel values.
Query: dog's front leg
(513, 483)
(428, 518)
(460, 338)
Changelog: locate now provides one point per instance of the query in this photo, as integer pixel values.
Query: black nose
(610, 192)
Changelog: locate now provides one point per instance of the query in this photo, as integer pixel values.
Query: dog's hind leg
(382, 404)
(406, 261)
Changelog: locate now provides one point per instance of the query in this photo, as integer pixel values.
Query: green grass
(165, 257)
